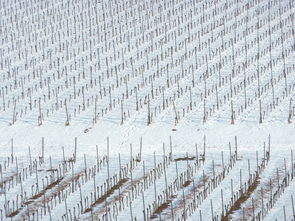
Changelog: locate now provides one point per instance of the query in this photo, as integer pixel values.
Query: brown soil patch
(184, 158)
(243, 198)
(108, 193)
(160, 209)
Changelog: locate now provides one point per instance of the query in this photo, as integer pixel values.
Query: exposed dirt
(243, 198)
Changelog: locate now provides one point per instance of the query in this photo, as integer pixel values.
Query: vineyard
(147, 110)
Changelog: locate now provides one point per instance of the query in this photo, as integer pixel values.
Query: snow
(84, 81)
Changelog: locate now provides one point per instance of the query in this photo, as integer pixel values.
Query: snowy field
(147, 110)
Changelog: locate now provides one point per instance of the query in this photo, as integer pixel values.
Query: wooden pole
(204, 147)
(155, 188)
(292, 165)
(212, 214)
(75, 154)
(197, 155)
(12, 156)
(142, 194)
(108, 166)
(43, 146)
(131, 164)
(222, 160)
(293, 206)
(222, 205)
(253, 210)
(236, 146)
(30, 160)
(166, 185)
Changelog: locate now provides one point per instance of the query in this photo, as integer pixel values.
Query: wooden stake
(212, 214)
(253, 210)
(236, 146)
(142, 194)
(293, 206)
(166, 185)
(75, 154)
(12, 156)
(131, 164)
(30, 161)
(43, 149)
(197, 155)
(155, 188)
(292, 164)
(204, 147)
(171, 152)
(222, 205)
(222, 161)
(108, 166)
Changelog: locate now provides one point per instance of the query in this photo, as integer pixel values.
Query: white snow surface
(145, 75)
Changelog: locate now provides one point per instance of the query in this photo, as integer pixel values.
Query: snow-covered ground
(147, 110)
